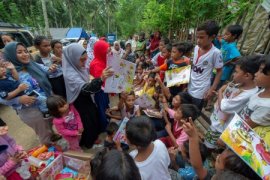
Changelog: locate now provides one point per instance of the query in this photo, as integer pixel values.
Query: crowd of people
(66, 86)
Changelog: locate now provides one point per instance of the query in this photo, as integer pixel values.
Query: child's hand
(157, 78)
(9, 65)
(209, 94)
(118, 144)
(15, 158)
(81, 131)
(52, 68)
(22, 155)
(22, 87)
(189, 128)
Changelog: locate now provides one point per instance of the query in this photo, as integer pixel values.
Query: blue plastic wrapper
(68, 170)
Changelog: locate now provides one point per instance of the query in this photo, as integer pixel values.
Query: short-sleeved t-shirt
(48, 62)
(234, 99)
(156, 166)
(257, 109)
(7, 85)
(172, 65)
(229, 52)
(201, 73)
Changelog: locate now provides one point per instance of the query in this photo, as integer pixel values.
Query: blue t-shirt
(229, 52)
(8, 85)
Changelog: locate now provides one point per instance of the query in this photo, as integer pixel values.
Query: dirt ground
(23, 134)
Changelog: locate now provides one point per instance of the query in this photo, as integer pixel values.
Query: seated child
(126, 107)
(189, 49)
(109, 143)
(227, 160)
(177, 136)
(149, 86)
(230, 52)
(232, 98)
(180, 160)
(139, 77)
(159, 59)
(10, 159)
(140, 59)
(10, 87)
(67, 120)
(114, 165)
(257, 111)
(151, 157)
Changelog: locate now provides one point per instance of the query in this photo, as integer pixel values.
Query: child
(45, 58)
(11, 158)
(180, 160)
(67, 120)
(229, 50)
(109, 143)
(189, 48)
(57, 49)
(206, 58)
(151, 158)
(114, 165)
(166, 54)
(227, 160)
(232, 98)
(159, 59)
(178, 60)
(126, 107)
(10, 87)
(6, 38)
(177, 136)
(149, 86)
(257, 110)
(139, 77)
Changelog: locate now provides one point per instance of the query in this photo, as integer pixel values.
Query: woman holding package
(79, 91)
(25, 105)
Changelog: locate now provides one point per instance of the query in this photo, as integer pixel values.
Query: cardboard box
(75, 160)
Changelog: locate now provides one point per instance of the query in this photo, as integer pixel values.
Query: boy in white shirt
(232, 98)
(206, 58)
(152, 158)
(257, 111)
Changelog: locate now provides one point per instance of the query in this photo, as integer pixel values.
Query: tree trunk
(70, 13)
(46, 20)
(171, 19)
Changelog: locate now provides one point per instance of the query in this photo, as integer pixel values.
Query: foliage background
(174, 18)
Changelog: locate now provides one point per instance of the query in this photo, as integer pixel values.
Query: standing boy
(206, 58)
(230, 52)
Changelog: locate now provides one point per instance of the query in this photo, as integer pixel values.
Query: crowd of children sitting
(163, 141)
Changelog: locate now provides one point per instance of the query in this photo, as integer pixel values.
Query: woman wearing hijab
(25, 105)
(117, 50)
(99, 63)
(79, 91)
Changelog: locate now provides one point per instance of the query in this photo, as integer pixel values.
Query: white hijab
(74, 75)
